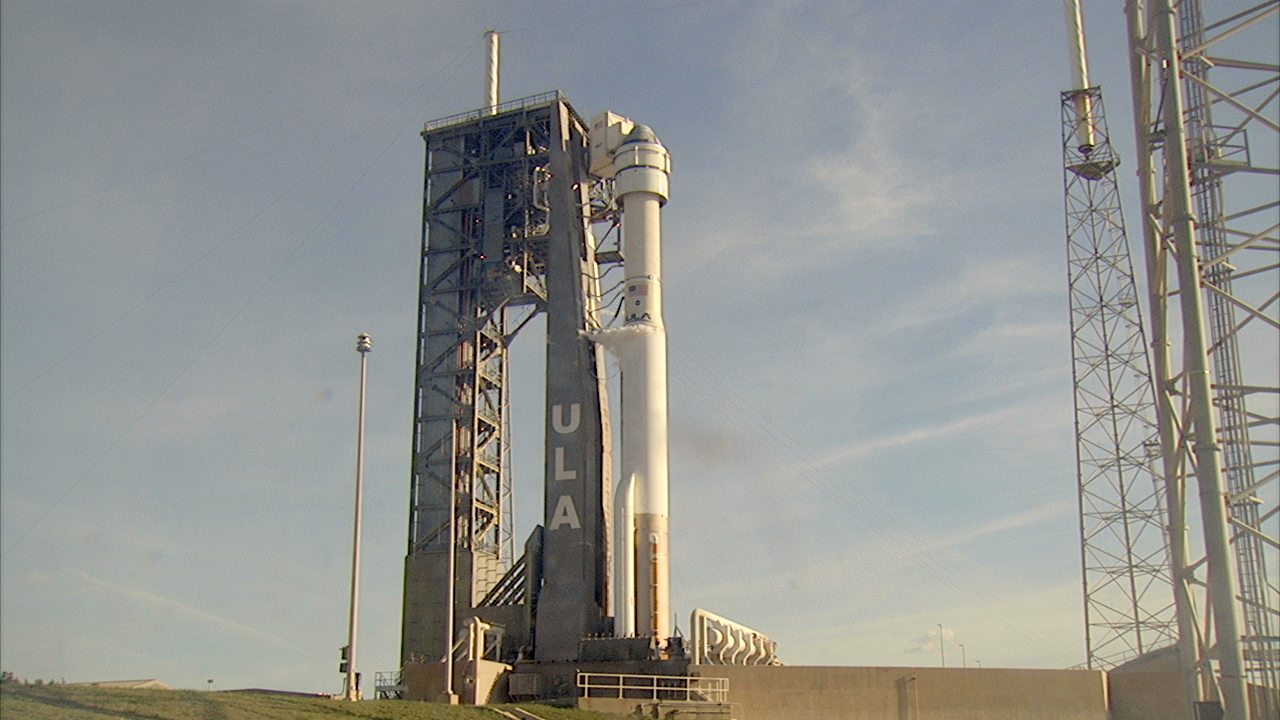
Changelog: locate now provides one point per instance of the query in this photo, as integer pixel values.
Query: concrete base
(851, 693)
(1148, 688)
(559, 681)
(826, 693)
(662, 709)
(484, 682)
(477, 682)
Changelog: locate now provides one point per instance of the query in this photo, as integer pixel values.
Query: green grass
(67, 702)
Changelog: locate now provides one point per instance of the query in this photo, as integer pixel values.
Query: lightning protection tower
(1205, 115)
(1128, 599)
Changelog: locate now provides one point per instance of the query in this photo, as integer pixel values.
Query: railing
(389, 685)
(671, 688)
(538, 100)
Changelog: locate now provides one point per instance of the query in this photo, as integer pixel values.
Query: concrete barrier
(855, 693)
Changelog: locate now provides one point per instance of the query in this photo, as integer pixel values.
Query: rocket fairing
(641, 169)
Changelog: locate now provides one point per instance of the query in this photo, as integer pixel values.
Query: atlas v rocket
(640, 168)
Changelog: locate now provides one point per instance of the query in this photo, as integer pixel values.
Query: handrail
(677, 688)
(523, 103)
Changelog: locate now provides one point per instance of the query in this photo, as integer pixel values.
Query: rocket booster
(641, 169)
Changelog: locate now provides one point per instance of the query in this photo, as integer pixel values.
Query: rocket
(641, 169)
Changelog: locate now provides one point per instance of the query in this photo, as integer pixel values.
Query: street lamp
(364, 344)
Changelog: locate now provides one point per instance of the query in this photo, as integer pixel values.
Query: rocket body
(641, 168)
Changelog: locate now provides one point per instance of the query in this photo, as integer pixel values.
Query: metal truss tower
(505, 237)
(1205, 115)
(1128, 600)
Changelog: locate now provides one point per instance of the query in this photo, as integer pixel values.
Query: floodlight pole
(364, 344)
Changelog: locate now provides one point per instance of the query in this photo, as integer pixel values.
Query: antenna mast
(491, 68)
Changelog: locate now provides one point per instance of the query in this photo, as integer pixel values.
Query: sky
(202, 205)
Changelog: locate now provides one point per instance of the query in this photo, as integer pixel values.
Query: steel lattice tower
(1127, 590)
(504, 238)
(1205, 116)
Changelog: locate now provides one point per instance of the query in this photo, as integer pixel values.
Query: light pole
(364, 344)
(942, 646)
(964, 660)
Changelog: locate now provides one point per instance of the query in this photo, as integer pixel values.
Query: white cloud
(931, 641)
(878, 197)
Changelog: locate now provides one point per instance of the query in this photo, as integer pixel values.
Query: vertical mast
(491, 67)
(1084, 129)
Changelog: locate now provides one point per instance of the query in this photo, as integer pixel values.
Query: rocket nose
(642, 133)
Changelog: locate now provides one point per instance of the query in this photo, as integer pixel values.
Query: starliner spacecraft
(529, 210)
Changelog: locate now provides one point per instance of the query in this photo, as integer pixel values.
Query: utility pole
(364, 344)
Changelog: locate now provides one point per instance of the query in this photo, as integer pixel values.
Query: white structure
(491, 67)
(720, 641)
(352, 691)
(1205, 122)
(640, 168)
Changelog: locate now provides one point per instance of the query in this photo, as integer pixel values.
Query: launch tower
(512, 192)
(505, 238)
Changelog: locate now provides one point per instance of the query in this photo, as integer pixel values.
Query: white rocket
(640, 167)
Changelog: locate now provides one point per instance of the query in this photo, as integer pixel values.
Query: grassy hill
(66, 702)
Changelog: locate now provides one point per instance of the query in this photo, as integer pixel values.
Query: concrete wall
(1146, 696)
(475, 682)
(851, 693)
(1148, 688)
(423, 681)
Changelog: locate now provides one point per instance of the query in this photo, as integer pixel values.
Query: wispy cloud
(143, 597)
(999, 525)
(867, 186)
(859, 449)
(988, 284)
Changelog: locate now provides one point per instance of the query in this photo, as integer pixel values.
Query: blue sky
(202, 204)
